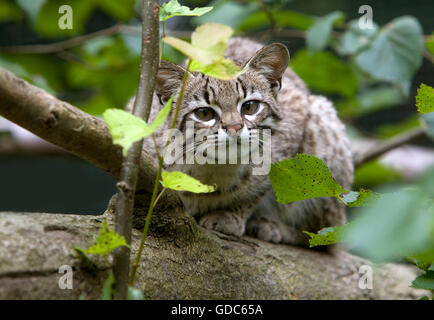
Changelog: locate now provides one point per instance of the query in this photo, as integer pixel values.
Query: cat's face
(230, 109)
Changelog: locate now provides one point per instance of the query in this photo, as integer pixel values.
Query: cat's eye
(204, 114)
(250, 107)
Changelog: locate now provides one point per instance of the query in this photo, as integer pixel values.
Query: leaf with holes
(177, 180)
(106, 241)
(361, 198)
(425, 99)
(303, 177)
(327, 236)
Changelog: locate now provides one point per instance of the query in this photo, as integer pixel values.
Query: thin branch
(65, 44)
(130, 164)
(388, 145)
(80, 40)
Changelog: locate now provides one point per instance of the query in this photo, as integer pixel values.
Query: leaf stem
(163, 34)
(341, 200)
(154, 197)
(178, 104)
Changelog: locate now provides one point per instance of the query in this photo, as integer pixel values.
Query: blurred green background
(371, 75)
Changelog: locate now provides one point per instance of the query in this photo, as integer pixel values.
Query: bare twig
(63, 45)
(388, 145)
(130, 164)
(80, 40)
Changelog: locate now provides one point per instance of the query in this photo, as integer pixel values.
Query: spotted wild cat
(268, 95)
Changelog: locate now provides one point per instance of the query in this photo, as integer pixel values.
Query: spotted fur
(301, 122)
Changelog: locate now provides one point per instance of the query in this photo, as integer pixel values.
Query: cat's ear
(168, 80)
(271, 61)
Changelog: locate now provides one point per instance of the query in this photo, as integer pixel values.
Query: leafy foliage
(375, 173)
(425, 99)
(405, 226)
(424, 281)
(395, 53)
(106, 241)
(177, 180)
(318, 35)
(324, 72)
(207, 52)
(430, 43)
(229, 13)
(355, 39)
(305, 177)
(173, 8)
(328, 236)
(283, 18)
(126, 128)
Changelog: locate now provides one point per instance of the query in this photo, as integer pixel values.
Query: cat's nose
(232, 129)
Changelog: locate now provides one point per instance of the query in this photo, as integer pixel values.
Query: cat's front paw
(224, 222)
(264, 229)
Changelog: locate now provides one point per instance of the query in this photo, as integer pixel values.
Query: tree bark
(182, 261)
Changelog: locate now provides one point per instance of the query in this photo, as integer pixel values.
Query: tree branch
(80, 40)
(381, 148)
(130, 165)
(70, 128)
(184, 261)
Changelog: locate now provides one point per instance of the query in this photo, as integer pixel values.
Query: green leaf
(48, 17)
(208, 44)
(283, 18)
(162, 115)
(327, 236)
(395, 54)
(430, 43)
(318, 35)
(173, 8)
(223, 69)
(177, 180)
(375, 173)
(106, 241)
(120, 10)
(228, 13)
(126, 128)
(395, 225)
(360, 198)
(425, 99)
(303, 177)
(355, 39)
(428, 121)
(371, 100)
(107, 290)
(324, 72)
(9, 11)
(424, 281)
